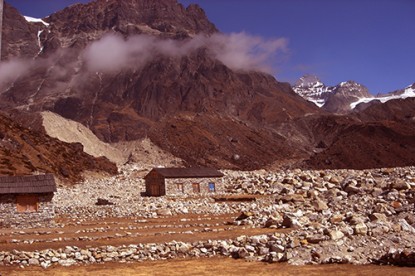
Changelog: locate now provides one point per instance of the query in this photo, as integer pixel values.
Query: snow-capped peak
(312, 89)
(35, 20)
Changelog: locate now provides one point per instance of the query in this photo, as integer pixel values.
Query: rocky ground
(299, 217)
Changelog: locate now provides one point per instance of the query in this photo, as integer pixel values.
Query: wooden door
(154, 190)
(27, 203)
(196, 188)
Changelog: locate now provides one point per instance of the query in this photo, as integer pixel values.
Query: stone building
(26, 201)
(169, 181)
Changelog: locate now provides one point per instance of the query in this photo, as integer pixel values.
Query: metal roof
(28, 184)
(187, 172)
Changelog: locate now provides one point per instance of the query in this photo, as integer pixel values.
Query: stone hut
(26, 201)
(168, 181)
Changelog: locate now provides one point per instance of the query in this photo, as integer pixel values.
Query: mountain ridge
(345, 96)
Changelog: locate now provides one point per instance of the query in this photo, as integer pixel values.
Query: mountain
(312, 89)
(128, 69)
(344, 97)
(155, 71)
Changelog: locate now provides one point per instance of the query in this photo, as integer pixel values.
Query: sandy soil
(212, 266)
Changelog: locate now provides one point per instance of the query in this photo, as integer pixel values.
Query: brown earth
(114, 232)
(382, 135)
(209, 266)
(223, 142)
(363, 146)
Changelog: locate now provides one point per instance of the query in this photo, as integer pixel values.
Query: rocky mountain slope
(72, 132)
(25, 151)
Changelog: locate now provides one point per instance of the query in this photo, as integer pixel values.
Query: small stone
(243, 253)
(337, 218)
(33, 261)
(378, 217)
(45, 264)
(291, 222)
(67, 262)
(244, 215)
(277, 248)
(336, 235)
(396, 204)
(360, 229)
(406, 226)
(54, 259)
(320, 205)
(316, 239)
(164, 212)
(400, 184)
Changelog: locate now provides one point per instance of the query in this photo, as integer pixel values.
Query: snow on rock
(312, 89)
(35, 20)
(408, 92)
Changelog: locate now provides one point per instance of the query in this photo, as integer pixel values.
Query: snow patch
(35, 20)
(409, 92)
(319, 102)
(39, 43)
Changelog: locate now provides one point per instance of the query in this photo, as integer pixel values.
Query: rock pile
(330, 216)
(262, 247)
(398, 257)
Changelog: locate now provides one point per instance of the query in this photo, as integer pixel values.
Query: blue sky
(369, 41)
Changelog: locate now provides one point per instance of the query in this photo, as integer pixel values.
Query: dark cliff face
(163, 17)
(19, 37)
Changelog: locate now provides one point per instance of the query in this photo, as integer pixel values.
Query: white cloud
(238, 51)
(13, 69)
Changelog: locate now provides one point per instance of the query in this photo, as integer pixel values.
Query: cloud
(11, 70)
(244, 52)
(238, 51)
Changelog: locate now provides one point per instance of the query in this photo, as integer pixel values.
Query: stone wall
(9, 217)
(172, 189)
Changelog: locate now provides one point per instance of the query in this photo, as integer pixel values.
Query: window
(180, 187)
(27, 203)
(212, 187)
(196, 188)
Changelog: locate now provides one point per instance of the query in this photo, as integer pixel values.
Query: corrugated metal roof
(187, 172)
(28, 184)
